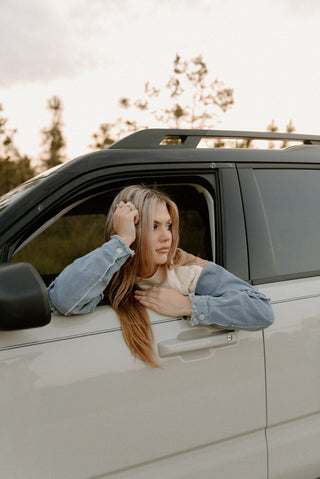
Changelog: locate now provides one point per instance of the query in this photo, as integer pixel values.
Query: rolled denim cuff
(124, 244)
(194, 318)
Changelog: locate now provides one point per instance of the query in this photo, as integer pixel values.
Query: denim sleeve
(79, 287)
(227, 302)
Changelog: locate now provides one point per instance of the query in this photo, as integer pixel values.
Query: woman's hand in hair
(125, 218)
(166, 301)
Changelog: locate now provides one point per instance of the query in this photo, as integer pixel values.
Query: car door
(283, 222)
(75, 404)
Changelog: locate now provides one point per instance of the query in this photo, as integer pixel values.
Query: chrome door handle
(172, 347)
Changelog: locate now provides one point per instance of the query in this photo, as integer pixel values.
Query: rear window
(291, 200)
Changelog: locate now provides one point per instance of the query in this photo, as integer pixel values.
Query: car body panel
(81, 389)
(292, 348)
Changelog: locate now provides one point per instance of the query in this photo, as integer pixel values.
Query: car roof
(170, 146)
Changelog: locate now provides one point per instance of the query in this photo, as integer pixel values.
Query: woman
(140, 267)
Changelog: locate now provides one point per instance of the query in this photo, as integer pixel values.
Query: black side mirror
(24, 301)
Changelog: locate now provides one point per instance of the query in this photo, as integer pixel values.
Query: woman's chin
(161, 258)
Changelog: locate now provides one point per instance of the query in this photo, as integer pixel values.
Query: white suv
(75, 404)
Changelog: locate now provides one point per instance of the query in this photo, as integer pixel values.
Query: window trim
(233, 238)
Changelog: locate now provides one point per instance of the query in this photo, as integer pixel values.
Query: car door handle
(172, 347)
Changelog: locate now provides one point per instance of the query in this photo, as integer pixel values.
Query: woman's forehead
(161, 212)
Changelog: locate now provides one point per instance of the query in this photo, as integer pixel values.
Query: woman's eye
(156, 226)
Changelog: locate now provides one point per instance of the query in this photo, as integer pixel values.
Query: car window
(81, 229)
(291, 201)
(69, 237)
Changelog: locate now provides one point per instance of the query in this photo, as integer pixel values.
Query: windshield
(20, 190)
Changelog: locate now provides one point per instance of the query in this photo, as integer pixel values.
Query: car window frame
(201, 180)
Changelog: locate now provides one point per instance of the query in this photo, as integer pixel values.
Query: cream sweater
(181, 278)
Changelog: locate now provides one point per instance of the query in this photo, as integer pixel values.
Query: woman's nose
(165, 234)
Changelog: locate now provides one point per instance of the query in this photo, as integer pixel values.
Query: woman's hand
(166, 301)
(125, 218)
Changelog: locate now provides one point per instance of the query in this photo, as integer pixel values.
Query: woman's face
(161, 236)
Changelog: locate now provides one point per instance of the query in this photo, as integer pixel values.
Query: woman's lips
(163, 250)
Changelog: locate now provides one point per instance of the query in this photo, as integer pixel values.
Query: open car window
(81, 229)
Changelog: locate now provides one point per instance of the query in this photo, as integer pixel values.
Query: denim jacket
(220, 299)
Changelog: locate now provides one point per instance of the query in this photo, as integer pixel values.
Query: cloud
(45, 40)
(36, 43)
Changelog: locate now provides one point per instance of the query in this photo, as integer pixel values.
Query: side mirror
(24, 301)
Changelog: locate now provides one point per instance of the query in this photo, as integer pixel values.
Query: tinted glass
(291, 200)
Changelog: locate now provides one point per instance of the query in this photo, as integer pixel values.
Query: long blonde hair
(134, 318)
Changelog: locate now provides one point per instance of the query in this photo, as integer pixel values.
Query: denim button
(202, 317)
(119, 250)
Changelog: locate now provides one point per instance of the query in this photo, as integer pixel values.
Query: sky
(92, 52)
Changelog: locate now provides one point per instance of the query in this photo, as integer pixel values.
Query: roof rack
(158, 138)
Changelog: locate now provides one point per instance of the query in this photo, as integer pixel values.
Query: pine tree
(14, 167)
(53, 141)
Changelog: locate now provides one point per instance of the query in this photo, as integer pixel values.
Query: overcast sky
(91, 52)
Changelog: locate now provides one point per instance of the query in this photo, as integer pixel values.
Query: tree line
(189, 99)
(15, 168)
